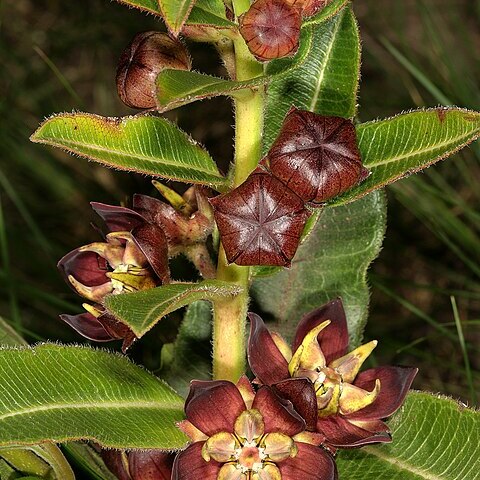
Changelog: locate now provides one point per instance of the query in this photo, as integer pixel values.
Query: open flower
(350, 405)
(239, 435)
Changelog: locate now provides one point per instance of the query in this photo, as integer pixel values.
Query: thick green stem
(230, 314)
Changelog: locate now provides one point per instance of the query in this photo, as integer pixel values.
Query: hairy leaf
(142, 144)
(58, 393)
(399, 146)
(434, 438)
(326, 82)
(177, 87)
(190, 356)
(140, 311)
(333, 261)
(175, 13)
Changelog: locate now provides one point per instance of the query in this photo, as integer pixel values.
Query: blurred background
(60, 56)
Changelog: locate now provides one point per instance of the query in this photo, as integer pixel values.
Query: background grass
(58, 56)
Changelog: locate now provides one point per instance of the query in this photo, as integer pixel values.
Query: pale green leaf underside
(332, 262)
(175, 13)
(326, 82)
(399, 146)
(191, 353)
(433, 439)
(8, 336)
(144, 144)
(142, 310)
(60, 393)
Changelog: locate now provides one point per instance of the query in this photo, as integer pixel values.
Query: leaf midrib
(402, 465)
(91, 406)
(425, 150)
(122, 153)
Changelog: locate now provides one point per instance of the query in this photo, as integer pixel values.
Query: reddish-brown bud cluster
(147, 55)
(271, 29)
(314, 159)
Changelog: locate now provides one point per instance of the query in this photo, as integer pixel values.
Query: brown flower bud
(260, 222)
(308, 7)
(271, 29)
(316, 156)
(147, 55)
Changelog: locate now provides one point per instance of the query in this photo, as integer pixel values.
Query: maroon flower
(260, 222)
(238, 434)
(133, 257)
(139, 465)
(316, 156)
(271, 29)
(350, 405)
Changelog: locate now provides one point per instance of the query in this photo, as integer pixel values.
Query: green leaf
(399, 146)
(88, 460)
(333, 261)
(142, 310)
(179, 87)
(150, 6)
(26, 462)
(434, 438)
(143, 144)
(57, 393)
(6, 471)
(326, 82)
(190, 356)
(8, 336)
(175, 13)
(210, 13)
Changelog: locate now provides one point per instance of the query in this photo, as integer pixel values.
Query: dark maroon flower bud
(260, 222)
(316, 156)
(271, 29)
(141, 62)
(308, 7)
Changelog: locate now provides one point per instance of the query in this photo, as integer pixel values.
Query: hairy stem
(230, 314)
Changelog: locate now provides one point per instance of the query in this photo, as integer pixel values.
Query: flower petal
(150, 465)
(213, 406)
(395, 381)
(310, 463)
(349, 365)
(117, 462)
(221, 447)
(249, 426)
(354, 398)
(189, 465)
(246, 390)
(151, 240)
(87, 326)
(86, 267)
(339, 432)
(117, 330)
(334, 339)
(308, 357)
(229, 471)
(301, 392)
(278, 415)
(264, 357)
(116, 218)
(279, 446)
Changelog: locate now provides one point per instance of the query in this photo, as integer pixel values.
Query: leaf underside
(175, 13)
(60, 393)
(142, 310)
(143, 144)
(434, 438)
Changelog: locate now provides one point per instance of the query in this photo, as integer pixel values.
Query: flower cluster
(134, 255)
(309, 401)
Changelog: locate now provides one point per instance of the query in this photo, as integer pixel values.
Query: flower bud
(271, 29)
(147, 55)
